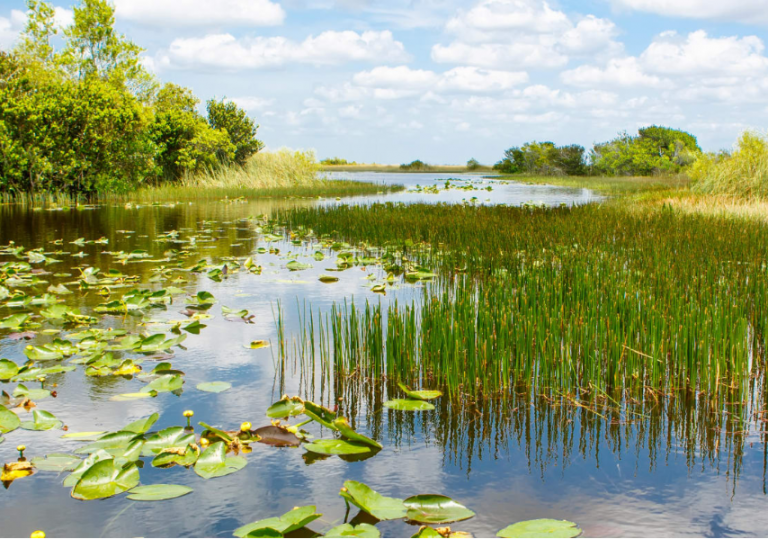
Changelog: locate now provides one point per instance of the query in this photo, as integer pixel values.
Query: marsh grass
(559, 299)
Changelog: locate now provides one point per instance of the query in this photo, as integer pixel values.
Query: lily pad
(56, 462)
(255, 345)
(214, 387)
(409, 405)
(424, 395)
(181, 456)
(277, 436)
(425, 532)
(8, 369)
(373, 503)
(142, 426)
(328, 279)
(32, 394)
(337, 447)
(435, 509)
(113, 443)
(348, 530)
(214, 433)
(164, 384)
(42, 420)
(8, 420)
(105, 479)
(156, 493)
(170, 437)
(43, 353)
(286, 407)
(294, 265)
(134, 396)
(320, 414)
(215, 463)
(289, 522)
(72, 479)
(543, 527)
(349, 433)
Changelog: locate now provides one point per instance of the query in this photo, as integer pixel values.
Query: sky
(390, 81)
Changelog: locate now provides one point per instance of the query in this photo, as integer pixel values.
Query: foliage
(544, 158)
(473, 164)
(417, 165)
(744, 172)
(227, 116)
(655, 150)
(336, 161)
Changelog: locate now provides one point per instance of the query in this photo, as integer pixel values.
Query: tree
(95, 49)
(544, 158)
(227, 116)
(186, 142)
(473, 164)
(35, 40)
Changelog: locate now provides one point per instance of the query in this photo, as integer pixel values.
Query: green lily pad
(105, 479)
(170, 437)
(9, 421)
(142, 426)
(425, 532)
(72, 479)
(348, 530)
(320, 414)
(286, 407)
(328, 279)
(173, 456)
(409, 405)
(424, 395)
(373, 503)
(91, 436)
(543, 527)
(255, 345)
(156, 493)
(32, 394)
(56, 462)
(215, 463)
(435, 509)
(167, 383)
(43, 353)
(349, 433)
(41, 420)
(8, 369)
(294, 265)
(14, 321)
(113, 443)
(337, 447)
(289, 522)
(134, 396)
(214, 387)
(217, 433)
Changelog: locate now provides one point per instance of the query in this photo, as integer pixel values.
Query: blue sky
(390, 81)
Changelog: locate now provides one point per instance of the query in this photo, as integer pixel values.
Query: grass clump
(743, 173)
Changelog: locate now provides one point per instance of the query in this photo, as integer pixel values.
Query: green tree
(473, 164)
(186, 142)
(35, 41)
(227, 116)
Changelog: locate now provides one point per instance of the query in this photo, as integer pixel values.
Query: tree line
(87, 116)
(654, 150)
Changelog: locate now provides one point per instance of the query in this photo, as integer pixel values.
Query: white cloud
(200, 12)
(252, 103)
(63, 17)
(225, 51)
(625, 72)
(747, 11)
(10, 28)
(514, 34)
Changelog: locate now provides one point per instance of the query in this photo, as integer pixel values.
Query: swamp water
(678, 471)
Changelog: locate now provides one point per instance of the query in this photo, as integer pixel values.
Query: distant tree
(415, 165)
(654, 150)
(473, 164)
(544, 158)
(227, 116)
(336, 161)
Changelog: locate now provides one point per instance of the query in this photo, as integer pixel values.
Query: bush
(415, 165)
(544, 158)
(473, 164)
(744, 172)
(336, 161)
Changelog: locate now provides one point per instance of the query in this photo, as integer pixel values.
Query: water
(673, 474)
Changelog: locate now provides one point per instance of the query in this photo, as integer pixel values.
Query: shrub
(415, 165)
(227, 116)
(744, 172)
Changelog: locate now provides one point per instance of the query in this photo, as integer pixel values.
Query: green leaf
(320, 414)
(56, 462)
(349, 433)
(32, 394)
(42, 420)
(105, 479)
(425, 532)
(72, 479)
(214, 387)
(134, 396)
(337, 447)
(291, 521)
(14, 321)
(286, 407)
(155, 493)
(328, 279)
(424, 395)
(172, 456)
(293, 265)
(84, 436)
(435, 509)
(255, 345)
(348, 530)
(43, 353)
(215, 463)
(373, 503)
(170, 437)
(226, 311)
(408, 405)
(216, 432)
(543, 527)
(8, 369)
(142, 426)
(165, 384)
(113, 443)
